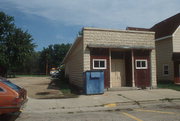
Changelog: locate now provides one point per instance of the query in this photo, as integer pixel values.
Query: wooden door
(117, 72)
(142, 72)
(179, 70)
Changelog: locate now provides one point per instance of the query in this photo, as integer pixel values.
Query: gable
(166, 27)
(176, 40)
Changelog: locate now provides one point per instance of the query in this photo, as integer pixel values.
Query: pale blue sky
(58, 21)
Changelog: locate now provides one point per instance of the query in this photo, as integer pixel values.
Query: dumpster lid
(94, 71)
(95, 75)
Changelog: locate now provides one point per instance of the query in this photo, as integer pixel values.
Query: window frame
(105, 67)
(141, 60)
(3, 90)
(12, 85)
(165, 70)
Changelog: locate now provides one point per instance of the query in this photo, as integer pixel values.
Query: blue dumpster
(94, 82)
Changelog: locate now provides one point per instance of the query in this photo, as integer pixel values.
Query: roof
(137, 29)
(115, 46)
(117, 30)
(71, 48)
(166, 27)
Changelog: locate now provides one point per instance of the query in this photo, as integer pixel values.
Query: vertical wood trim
(110, 67)
(179, 69)
(132, 55)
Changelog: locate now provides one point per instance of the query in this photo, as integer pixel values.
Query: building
(167, 42)
(127, 57)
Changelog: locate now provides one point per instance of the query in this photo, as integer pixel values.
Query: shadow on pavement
(57, 89)
(56, 84)
(9, 117)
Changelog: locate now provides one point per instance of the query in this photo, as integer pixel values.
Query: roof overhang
(115, 46)
(71, 49)
(162, 38)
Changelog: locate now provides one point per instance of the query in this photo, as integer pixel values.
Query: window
(99, 63)
(11, 85)
(1, 89)
(165, 69)
(141, 64)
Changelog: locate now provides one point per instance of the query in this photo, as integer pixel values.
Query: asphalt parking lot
(132, 105)
(168, 111)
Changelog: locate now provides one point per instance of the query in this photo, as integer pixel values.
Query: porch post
(132, 56)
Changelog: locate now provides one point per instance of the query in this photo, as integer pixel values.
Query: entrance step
(121, 89)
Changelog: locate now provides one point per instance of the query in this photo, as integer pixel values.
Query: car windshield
(11, 85)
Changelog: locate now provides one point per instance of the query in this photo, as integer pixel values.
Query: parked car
(12, 97)
(52, 71)
(56, 74)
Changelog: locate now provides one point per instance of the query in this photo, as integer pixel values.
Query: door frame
(179, 70)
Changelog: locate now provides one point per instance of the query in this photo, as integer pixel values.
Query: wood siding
(142, 76)
(102, 54)
(164, 49)
(176, 40)
(74, 65)
(176, 72)
(176, 49)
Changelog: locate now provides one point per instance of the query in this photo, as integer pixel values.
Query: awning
(115, 46)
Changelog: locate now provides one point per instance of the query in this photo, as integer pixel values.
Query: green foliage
(53, 55)
(61, 84)
(6, 28)
(15, 44)
(31, 65)
(17, 50)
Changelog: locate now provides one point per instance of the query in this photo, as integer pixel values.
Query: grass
(66, 91)
(64, 88)
(169, 86)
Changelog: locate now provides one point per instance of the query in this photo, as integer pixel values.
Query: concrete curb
(109, 107)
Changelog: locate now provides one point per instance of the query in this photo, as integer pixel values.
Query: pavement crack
(105, 110)
(135, 102)
(125, 97)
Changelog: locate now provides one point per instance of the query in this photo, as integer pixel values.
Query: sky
(59, 21)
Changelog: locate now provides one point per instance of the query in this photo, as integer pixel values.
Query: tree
(52, 56)
(6, 28)
(31, 65)
(15, 44)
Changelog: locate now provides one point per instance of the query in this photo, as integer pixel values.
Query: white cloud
(100, 13)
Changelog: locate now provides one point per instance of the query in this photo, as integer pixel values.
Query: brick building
(127, 57)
